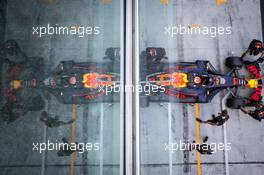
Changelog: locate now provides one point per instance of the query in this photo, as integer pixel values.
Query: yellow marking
(198, 156)
(77, 26)
(220, 2)
(194, 26)
(73, 155)
(166, 2)
(106, 1)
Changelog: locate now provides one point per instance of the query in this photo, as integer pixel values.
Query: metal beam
(128, 102)
(136, 81)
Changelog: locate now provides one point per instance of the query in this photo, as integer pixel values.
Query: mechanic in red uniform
(255, 48)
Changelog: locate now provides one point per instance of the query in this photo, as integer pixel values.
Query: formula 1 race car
(196, 82)
(24, 81)
(82, 83)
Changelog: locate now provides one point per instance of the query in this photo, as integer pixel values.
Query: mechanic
(11, 51)
(9, 112)
(255, 47)
(65, 151)
(53, 122)
(203, 148)
(258, 113)
(216, 121)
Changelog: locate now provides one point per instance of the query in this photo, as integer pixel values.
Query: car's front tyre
(234, 62)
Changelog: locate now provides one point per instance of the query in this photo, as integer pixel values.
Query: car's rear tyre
(144, 101)
(234, 62)
(235, 102)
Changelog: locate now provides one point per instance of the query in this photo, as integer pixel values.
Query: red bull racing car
(25, 82)
(82, 83)
(197, 82)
